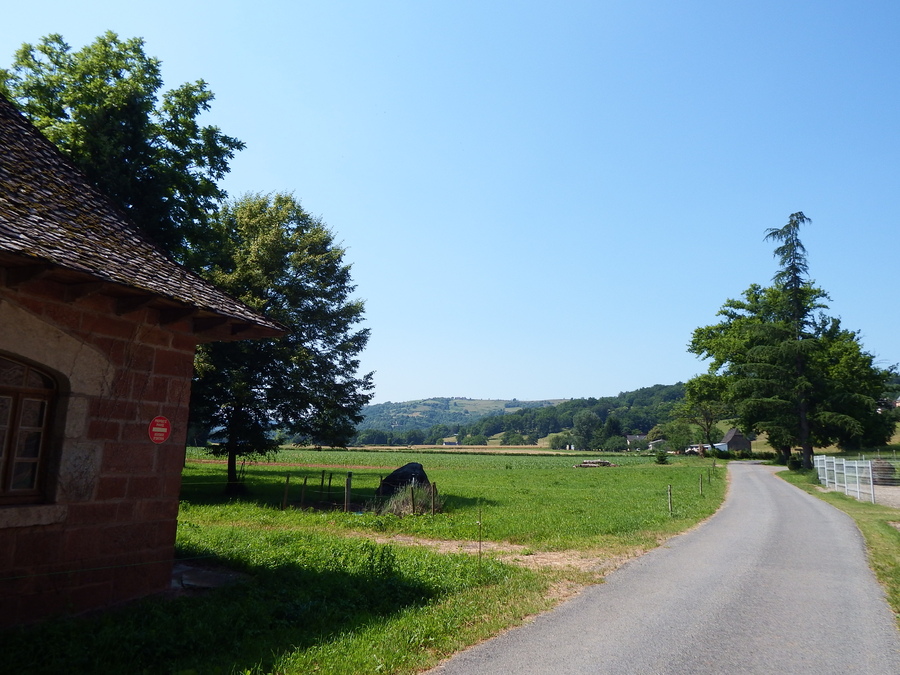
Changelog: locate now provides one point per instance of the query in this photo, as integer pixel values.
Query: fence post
(284, 500)
(670, 500)
(433, 492)
(701, 483)
(347, 486)
(303, 493)
(322, 487)
(871, 479)
(412, 498)
(330, 476)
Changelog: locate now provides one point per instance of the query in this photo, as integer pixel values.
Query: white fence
(852, 476)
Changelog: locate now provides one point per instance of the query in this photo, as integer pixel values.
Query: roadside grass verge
(320, 594)
(874, 521)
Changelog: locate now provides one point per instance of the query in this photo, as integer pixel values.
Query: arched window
(26, 400)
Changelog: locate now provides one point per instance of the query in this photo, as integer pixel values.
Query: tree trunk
(803, 419)
(234, 486)
(232, 464)
(784, 453)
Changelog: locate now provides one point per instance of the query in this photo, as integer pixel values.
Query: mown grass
(874, 521)
(320, 595)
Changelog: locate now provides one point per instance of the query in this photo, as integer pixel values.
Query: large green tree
(585, 424)
(276, 258)
(788, 369)
(102, 106)
(704, 405)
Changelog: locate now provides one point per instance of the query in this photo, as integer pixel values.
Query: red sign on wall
(160, 429)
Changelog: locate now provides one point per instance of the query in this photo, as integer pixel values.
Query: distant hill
(424, 414)
(431, 420)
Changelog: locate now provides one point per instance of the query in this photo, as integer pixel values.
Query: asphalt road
(775, 582)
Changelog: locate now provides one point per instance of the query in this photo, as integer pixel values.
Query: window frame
(13, 430)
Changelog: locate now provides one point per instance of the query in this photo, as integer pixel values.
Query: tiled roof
(50, 214)
(732, 433)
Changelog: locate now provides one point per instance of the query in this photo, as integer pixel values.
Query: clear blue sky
(543, 200)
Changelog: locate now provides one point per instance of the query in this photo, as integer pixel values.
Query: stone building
(98, 329)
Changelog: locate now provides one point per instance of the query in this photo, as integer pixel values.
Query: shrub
(406, 501)
(662, 457)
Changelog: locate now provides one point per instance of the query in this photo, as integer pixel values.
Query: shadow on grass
(237, 628)
(452, 502)
(262, 490)
(266, 487)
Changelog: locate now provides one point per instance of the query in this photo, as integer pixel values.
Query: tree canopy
(102, 106)
(704, 405)
(272, 255)
(787, 368)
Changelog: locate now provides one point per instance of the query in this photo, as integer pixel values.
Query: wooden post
(347, 491)
(322, 487)
(330, 476)
(433, 493)
(412, 498)
(670, 500)
(701, 483)
(284, 500)
(303, 493)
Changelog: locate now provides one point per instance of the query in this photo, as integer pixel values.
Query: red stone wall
(113, 507)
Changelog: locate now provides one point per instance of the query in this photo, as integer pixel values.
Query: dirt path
(583, 561)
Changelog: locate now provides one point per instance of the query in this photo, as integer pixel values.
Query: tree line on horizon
(599, 419)
(422, 414)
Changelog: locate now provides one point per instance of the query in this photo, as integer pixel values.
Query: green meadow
(538, 501)
(329, 591)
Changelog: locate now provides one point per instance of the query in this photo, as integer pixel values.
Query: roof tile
(51, 213)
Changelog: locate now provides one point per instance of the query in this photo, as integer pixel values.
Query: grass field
(328, 591)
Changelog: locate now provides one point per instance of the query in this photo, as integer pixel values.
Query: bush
(794, 463)
(401, 502)
(662, 457)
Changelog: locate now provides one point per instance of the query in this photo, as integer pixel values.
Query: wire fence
(339, 494)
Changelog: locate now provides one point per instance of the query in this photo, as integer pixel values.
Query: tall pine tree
(789, 370)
